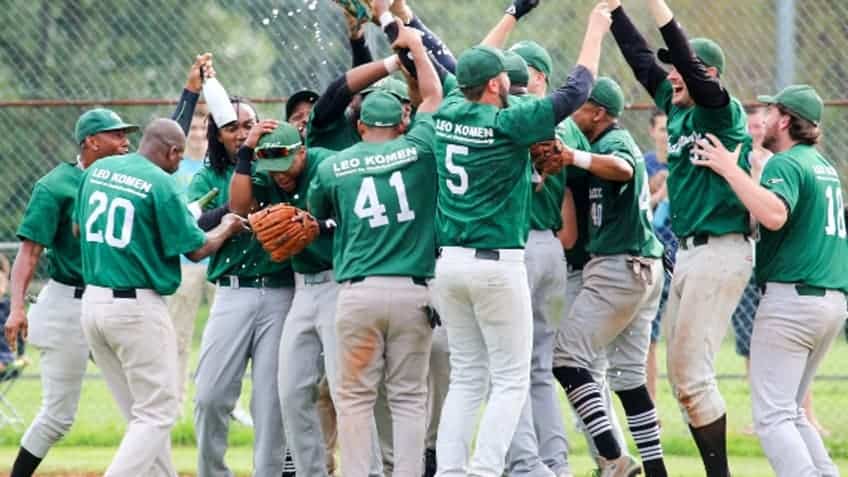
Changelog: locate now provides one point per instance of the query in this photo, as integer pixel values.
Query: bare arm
(23, 270)
(497, 36)
(611, 168)
(599, 25)
(568, 233)
(241, 200)
(230, 225)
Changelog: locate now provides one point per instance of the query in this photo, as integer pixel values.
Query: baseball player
(252, 297)
(714, 261)
(382, 193)
(53, 322)
(129, 212)
(480, 288)
(801, 268)
(621, 288)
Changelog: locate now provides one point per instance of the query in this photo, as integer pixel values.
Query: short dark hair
(474, 93)
(800, 129)
(654, 115)
(216, 153)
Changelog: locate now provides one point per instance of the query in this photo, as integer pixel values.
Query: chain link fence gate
(58, 59)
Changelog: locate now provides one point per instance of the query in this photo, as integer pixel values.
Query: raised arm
(705, 89)
(429, 85)
(636, 51)
(241, 200)
(496, 38)
(385, 11)
(202, 68)
(335, 99)
(230, 225)
(571, 95)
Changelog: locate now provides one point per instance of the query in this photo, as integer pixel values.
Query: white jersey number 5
(102, 204)
(462, 186)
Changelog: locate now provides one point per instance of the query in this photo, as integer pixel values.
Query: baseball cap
(100, 120)
(391, 85)
(516, 68)
(607, 93)
(705, 49)
(477, 65)
(535, 55)
(302, 96)
(277, 149)
(381, 109)
(801, 99)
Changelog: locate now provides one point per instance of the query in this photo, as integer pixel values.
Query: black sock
(585, 397)
(642, 422)
(25, 464)
(712, 444)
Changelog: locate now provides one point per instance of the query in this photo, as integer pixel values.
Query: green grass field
(99, 426)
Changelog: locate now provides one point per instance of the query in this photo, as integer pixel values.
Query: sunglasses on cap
(276, 152)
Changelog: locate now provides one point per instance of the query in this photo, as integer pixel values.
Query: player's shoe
(624, 466)
(242, 417)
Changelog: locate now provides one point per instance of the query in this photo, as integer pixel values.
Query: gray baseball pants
(244, 324)
(539, 447)
(792, 333)
(307, 352)
(706, 287)
(135, 346)
(54, 328)
(598, 370)
(382, 336)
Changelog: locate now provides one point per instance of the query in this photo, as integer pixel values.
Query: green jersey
(318, 255)
(134, 225)
(338, 134)
(546, 206)
(484, 176)
(811, 246)
(383, 196)
(241, 255)
(701, 201)
(578, 182)
(48, 221)
(620, 212)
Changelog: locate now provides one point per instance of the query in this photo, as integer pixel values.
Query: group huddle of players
(465, 235)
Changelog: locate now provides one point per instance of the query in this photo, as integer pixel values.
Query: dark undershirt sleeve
(705, 90)
(636, 51)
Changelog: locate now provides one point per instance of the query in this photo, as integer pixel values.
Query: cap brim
(280, 164)
(664, 55)
(765, 99)
(121, 127)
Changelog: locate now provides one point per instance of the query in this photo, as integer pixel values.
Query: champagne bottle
(196, 207)
(219, 102)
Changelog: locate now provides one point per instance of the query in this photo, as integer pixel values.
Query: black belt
(487, 254)
(416, 280)
(125, 293)
(697, 241)
(251, 282)
(802, 289)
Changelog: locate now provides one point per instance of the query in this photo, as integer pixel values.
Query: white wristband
(582, 159)
(386, 19)
(392, 64)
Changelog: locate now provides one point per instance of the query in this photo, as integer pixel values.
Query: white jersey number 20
(368, 205)
(114, 238)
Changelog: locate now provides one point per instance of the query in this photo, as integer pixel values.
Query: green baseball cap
(477, 65)
(516, 68)
(535, 55)
(381, 109)
(277, 149)
(801, 99)
(391, 85)
(705, 49)
(100, 120)
(607, 93)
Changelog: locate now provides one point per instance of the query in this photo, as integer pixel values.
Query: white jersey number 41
(368, 205)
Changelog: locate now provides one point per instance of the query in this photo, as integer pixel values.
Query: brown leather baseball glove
(283, 230)
(549, 157)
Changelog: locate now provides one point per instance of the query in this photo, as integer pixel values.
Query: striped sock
(288, 464)
(585, 397)
(642, 422)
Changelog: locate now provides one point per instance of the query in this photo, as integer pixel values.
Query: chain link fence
(58, 59)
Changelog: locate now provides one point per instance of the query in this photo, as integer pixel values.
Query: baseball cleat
(624, 466)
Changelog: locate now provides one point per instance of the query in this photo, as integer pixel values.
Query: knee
(212, 399)
(622, 379)
(472, 376)
(58, 423)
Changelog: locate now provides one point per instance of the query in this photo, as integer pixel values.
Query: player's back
(483, 172)
(131, 218)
